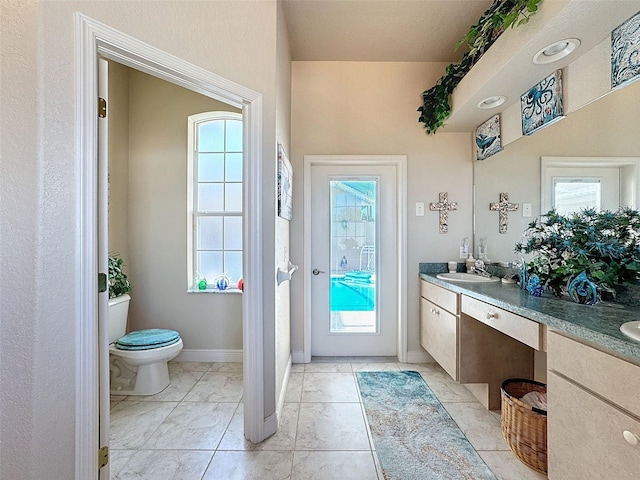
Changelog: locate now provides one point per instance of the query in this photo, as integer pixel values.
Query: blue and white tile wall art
(625, 52)
(488, 138)
(542, 105)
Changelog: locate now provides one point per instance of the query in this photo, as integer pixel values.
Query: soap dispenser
(470, 262)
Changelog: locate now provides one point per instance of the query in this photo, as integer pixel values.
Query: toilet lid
(147, 339)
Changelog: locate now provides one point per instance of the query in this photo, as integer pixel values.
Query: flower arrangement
(118, 283)
(604, 245)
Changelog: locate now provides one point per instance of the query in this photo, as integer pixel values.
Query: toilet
(138, 360)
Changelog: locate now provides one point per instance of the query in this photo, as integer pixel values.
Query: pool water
(352, 296)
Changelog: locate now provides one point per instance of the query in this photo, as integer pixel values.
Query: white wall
(370, 108)
(283, 127)
(157, 231)
(39, 194)
(20, 187)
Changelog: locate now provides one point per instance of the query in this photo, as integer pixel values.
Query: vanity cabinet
(522, 329)
(594, 412)
(469, 349)
(439, 316)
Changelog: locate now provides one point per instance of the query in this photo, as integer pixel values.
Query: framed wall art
(625, 52)
(285, 185)
(541, 105)
(488, 138)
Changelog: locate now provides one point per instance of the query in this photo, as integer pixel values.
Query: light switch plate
(526, 209)
(419, 209)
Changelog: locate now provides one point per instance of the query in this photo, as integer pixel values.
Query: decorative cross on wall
(443, 207)
(503, 207)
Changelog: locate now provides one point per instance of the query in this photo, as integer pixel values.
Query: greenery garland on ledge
(501, 15)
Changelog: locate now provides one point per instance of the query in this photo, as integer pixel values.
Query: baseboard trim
(270, 425)
(207, 355)
(297, 357)
(283, 391)
(417, 356)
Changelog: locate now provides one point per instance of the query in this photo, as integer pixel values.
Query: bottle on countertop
(470, 262)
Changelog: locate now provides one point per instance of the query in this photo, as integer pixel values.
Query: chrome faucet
(480, 269)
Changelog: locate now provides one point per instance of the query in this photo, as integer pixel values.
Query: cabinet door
(585, 438)
(440, 296)
(612, 378)
(438, 336)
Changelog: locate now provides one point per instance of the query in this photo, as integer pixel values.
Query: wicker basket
(524, 427)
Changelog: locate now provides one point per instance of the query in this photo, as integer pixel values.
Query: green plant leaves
(118, 282)
(501, 15)
(605, 245)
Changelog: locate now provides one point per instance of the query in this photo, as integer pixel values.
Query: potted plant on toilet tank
(118, 283)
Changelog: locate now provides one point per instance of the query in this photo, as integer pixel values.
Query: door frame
(93, 40)
(400, 164)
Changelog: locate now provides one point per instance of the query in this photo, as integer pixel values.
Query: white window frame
(192, 201)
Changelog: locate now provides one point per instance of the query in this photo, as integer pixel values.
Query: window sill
(214, 290)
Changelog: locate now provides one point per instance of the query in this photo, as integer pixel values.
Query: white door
(103, 253)
(354, 260)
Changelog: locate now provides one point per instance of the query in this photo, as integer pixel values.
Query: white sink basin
(466, 277)
(631, 330)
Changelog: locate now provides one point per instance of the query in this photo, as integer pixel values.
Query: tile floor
(193, 430)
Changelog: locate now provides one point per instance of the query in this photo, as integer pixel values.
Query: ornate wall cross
(443, 206)
(503, 207)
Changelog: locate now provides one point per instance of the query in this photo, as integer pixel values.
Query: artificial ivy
(501, 15)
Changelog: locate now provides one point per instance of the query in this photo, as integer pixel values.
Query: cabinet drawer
(515, 326)
(440, 296)
(438, 336)
(606, 375)
(585, 436)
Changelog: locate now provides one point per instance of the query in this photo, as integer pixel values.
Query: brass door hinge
(103, 456)
(102, 107)
(102, 282)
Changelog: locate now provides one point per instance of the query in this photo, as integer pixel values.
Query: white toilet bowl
(138, 360)
(147, 373)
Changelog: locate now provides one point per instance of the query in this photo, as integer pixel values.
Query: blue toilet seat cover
(148, 339)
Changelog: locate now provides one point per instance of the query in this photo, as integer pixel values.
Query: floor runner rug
(414, 436)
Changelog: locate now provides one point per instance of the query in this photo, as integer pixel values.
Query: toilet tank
(118, 311)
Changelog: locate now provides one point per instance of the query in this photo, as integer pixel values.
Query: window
(214, 186)
(573, 194)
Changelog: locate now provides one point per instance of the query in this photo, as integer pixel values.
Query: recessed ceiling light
(492, 102)
(556, 51)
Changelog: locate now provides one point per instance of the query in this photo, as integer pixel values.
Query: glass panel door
(353, 260)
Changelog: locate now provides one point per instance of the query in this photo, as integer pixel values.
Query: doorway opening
(95, 40)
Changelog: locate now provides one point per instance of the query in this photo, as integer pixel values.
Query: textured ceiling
(379, 30)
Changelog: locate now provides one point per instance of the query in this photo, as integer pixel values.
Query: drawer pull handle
(631, 438)
(492, 315)
(435, 311)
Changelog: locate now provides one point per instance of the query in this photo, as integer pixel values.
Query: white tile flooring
(194, 428)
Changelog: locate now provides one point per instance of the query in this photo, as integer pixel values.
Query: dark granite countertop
(597, 324)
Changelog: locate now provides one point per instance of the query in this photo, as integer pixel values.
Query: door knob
(317, 272)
